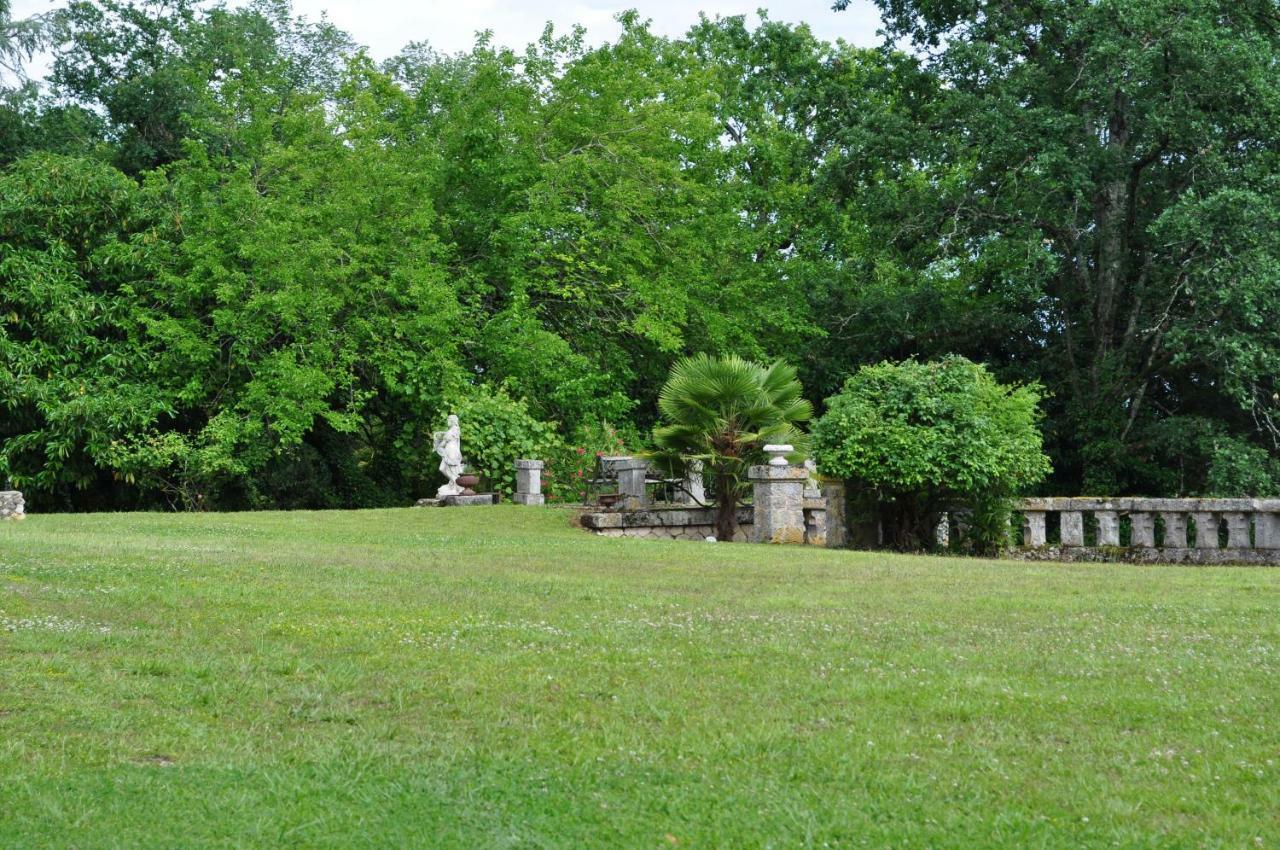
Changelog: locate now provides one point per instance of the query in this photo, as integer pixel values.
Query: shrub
(921, 438)
(497, 430)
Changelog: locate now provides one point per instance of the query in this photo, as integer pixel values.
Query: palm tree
(723, 411)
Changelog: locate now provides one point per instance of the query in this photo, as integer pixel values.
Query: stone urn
(468, 481)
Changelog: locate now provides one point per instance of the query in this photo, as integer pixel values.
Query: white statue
(448, 444)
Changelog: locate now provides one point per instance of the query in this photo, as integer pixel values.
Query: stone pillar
(1175, 529)
(12, 505)
(942, 531)
(1206, 529)
(695, 491)
(1237, 530)
(1033, 529)
(837, 514)
(1108, 528)
(1142, 528)
(529, 482)
(779, 503)
(631, 475)
(1072, 528)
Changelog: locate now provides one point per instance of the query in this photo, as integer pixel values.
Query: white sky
(384, 26)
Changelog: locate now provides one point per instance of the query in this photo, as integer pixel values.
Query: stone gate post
(778, 490)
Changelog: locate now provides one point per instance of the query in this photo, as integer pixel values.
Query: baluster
(1237, 529)
(1108, 528)
(1206, 529)
(1033, 529)
(1072, 528)
(1175, 530)
(1142, 528)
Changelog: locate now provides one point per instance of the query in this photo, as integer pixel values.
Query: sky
(384, 26)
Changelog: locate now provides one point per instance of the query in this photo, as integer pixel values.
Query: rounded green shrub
(915, 439)
(498, 430)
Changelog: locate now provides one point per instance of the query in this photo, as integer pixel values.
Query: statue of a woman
(448, 444)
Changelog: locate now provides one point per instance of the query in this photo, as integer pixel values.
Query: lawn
(492, 677)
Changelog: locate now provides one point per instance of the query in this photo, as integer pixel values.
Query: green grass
(494, 678)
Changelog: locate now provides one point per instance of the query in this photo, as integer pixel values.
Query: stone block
(1142, 529)
(529, 499)
(1237, 529)
(1206, 529)
(468, 501)
(12, 505)
(1108, 528)
(1033, 534)
(1175, 530)
(833, 493)
(1072, 528)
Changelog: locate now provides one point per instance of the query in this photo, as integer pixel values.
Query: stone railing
(1198, 531)
(12, 505)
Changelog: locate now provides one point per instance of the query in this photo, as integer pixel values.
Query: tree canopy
(242, 263)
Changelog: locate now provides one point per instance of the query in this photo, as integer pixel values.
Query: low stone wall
(679, 522)
(12, 505)
(1180, 531)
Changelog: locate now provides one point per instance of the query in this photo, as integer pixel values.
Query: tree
(20, 39)
(917, 439)
(1105, 176)
(723, 411)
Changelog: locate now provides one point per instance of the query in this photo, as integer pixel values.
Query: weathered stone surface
(528, 482)
(833, 493)
(1206, 529)
(694, 489)
(779, 503)
(1033, 528)
(1108, 528)
(1072, 529)
(529, 499)
(1150, 555)
(426, 503)
(631, 480)
(1175, 529)
(815, 523)
(1142, 530)
(1237, 529)
(468, 501)
(12, 505)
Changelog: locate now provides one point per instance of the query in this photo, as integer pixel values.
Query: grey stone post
(12, 505)
(1175, 529)
(1108, 528)
(1237, 530)
(1072, 528)
(631, 474)
(1033, 529)
(779, 503)
(695, 491)
(1206, 529)
(529, 482)
(1142, 530)
(837, 514)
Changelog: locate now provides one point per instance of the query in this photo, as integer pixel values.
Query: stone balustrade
(1199, 531)
(12, 505)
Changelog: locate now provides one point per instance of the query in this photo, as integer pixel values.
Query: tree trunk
(726, 507)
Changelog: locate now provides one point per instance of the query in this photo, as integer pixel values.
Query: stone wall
(12, 505)
(680, 522)
(1183, 531)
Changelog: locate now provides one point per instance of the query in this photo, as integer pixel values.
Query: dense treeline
(242, 264)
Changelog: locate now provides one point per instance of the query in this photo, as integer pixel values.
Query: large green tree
(1105, 176)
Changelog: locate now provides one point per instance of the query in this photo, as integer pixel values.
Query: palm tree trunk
(726, 507)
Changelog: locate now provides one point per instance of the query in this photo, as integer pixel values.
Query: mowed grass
(492, 677)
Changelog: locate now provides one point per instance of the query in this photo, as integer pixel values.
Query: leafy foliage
(500, 430)
(921, 438)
